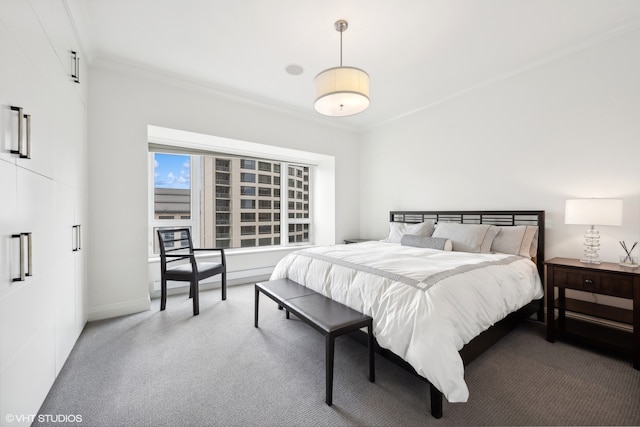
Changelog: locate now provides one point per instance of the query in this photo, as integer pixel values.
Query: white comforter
(426, 304)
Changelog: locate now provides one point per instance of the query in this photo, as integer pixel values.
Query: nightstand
(604, 279)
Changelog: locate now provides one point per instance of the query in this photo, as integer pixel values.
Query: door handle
(78, 238)
(21, 132)
(75, 66)
(24, 272)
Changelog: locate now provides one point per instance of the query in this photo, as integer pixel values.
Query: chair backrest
(175, 241)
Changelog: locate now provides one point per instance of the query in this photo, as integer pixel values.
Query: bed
(441, 288)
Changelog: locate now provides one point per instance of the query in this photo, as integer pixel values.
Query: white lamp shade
(341, 91)
(593, 212)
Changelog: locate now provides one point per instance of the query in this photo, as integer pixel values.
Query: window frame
(195, 200)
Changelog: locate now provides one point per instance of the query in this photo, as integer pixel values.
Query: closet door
(64, 284)
(54, 18)
(18, 92)
(69, 271)
(80, 260)
(7, 229)
(35, 63)
(27, 346)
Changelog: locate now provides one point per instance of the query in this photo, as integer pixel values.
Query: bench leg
(255, 311)
(329, 362)
(372, 368)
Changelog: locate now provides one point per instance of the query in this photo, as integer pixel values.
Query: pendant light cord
(341, 49)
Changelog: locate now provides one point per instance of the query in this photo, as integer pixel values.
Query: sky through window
(172, 171)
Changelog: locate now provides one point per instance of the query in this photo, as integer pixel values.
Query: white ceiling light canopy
(341, 91)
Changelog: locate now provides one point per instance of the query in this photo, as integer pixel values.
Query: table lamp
(593, 212)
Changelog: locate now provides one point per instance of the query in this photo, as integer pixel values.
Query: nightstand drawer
(601, 283)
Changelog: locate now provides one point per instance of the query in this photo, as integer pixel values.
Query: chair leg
(163, 294)
(255, 314)
(196, 298)
(190, 291)
(224, 286)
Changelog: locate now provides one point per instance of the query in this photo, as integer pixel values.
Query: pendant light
(341, 91)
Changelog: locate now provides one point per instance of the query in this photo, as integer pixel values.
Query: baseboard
(118, 309)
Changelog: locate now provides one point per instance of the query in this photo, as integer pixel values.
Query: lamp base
(591, 246)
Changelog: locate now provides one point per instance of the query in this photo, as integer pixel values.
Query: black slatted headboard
(503, 218)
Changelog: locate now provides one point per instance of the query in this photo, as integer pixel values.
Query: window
(248, 229)
(248, 164)
(223, 178)
(247, 204)
(223, 205)
(264, 179)
(172, 195)
(222, 218)
(264, 192)
(298, 232)
(265, 229)
(222, 232)
(264, 241)
(299, 191)
(222, 192)
(172, 187)
(247, 191)
(222, 165)
(248, 177)
(265, 217)
(264, 166)
(248, 217)
(247, 243)
(217, 197)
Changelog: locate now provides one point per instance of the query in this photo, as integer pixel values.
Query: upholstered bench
(328, 317)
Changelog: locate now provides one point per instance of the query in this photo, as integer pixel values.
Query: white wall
(123, 101)
(569, 128)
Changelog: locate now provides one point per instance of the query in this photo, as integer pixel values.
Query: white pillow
(476, 238)
(517, 240)
(399, 229)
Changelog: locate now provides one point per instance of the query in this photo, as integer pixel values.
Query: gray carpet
(172, 369)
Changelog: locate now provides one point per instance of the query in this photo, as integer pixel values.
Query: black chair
(176, 245)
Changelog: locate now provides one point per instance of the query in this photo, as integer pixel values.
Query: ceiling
(417, 52)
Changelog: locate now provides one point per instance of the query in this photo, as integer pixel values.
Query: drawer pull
(588, 282)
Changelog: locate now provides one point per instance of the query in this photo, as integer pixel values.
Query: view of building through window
(240, 202)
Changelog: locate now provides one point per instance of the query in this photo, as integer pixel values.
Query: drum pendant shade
(341, 91)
